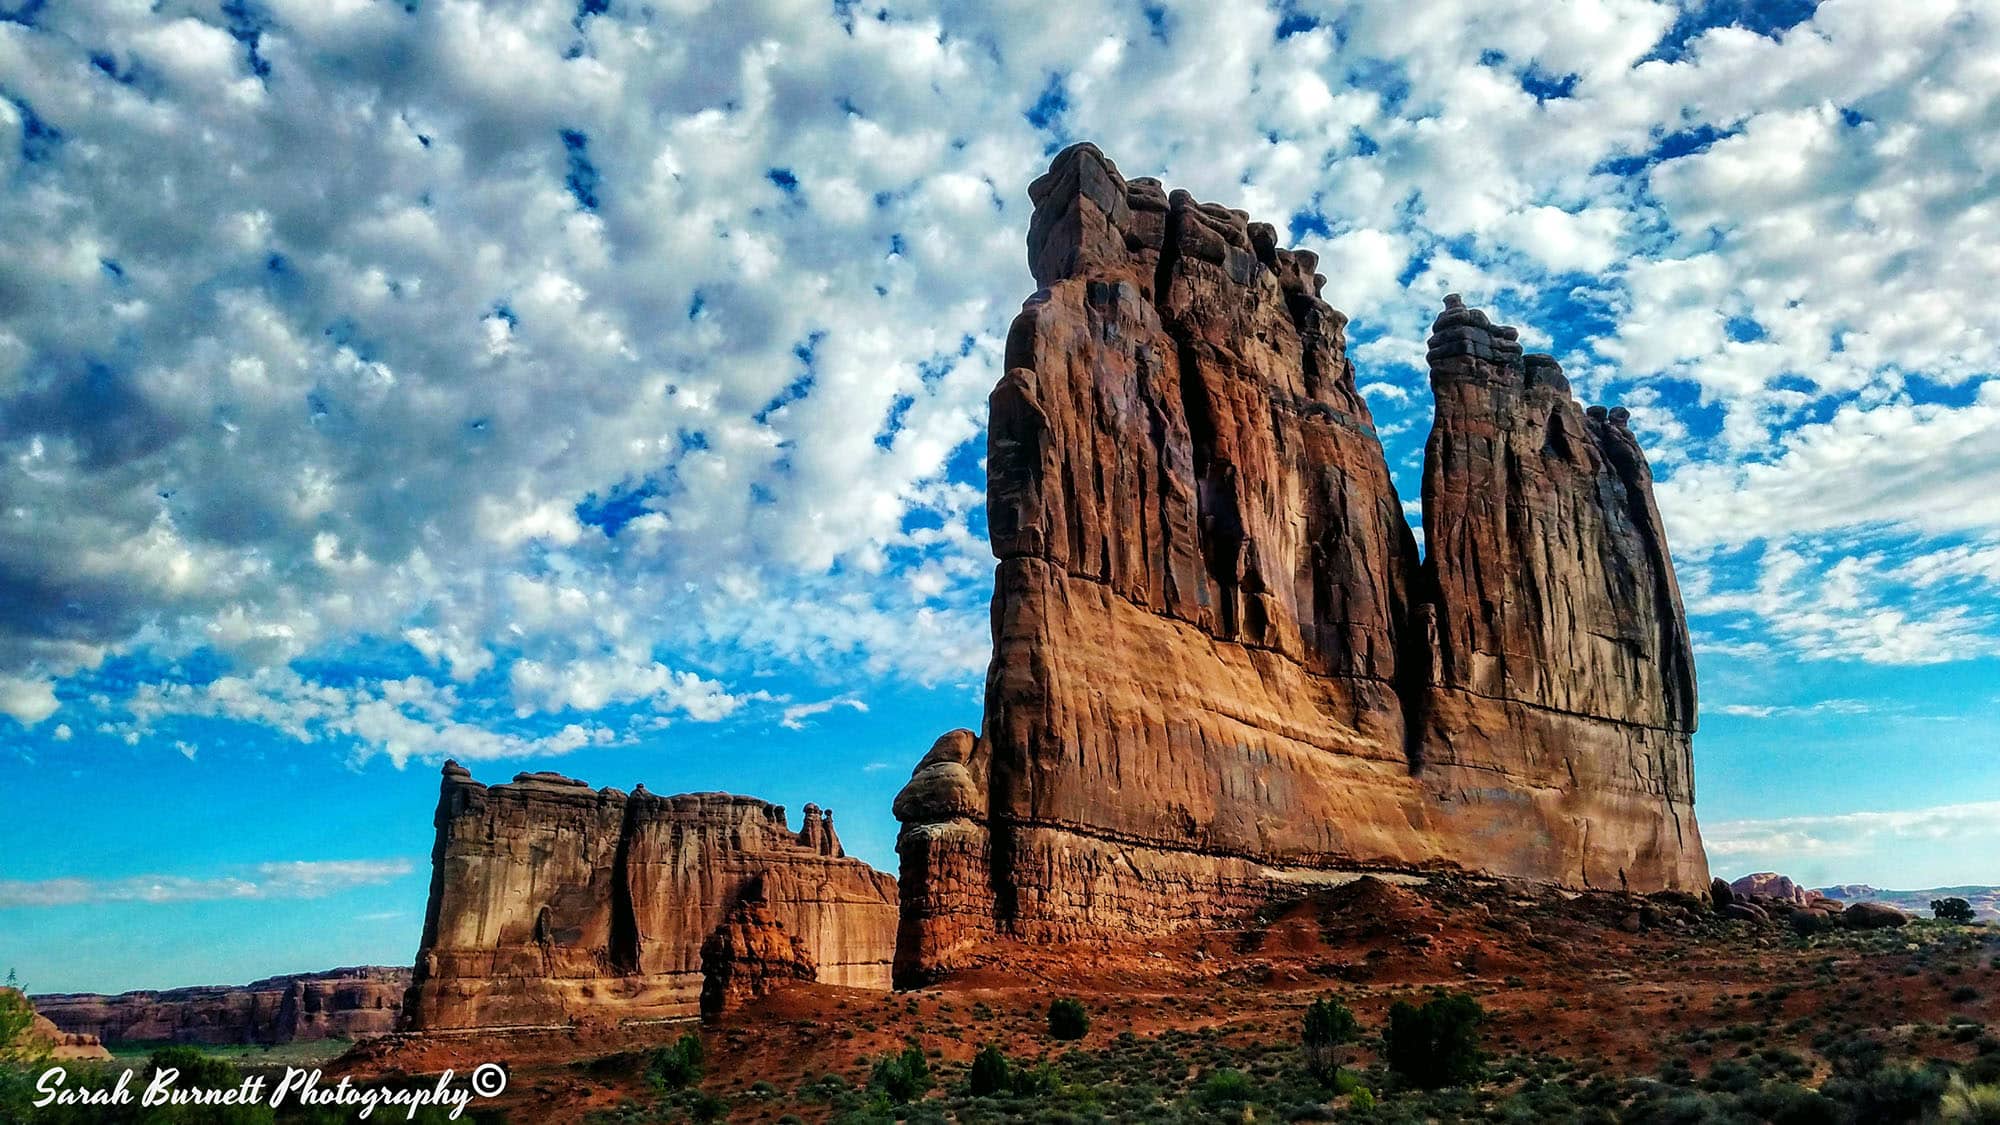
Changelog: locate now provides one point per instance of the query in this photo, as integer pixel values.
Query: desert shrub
(676, 1065)
(904, 1077)
(1226, 1087)
(1436, 1045)
(1951, 910)
(1731, 1077)
(1036, 1081)
(1362, 1099)
(1890, 1094)
(16, 1017)
(1786, 1103)
(989, 1072)
(1328, 1025)
(1854, 1056)
(1067, 1018)
(1964, 1104)
(196, 1068)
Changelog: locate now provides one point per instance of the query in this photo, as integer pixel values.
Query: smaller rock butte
(1221, 672)
(552, 902)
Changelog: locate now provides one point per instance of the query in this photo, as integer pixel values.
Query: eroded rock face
(351, 1003)
(749, 954)
(1558, 649)
(1219, 665)
(551, 901)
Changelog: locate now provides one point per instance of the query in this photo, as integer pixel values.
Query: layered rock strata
(1221, 668)
(552, 902)
(348, 1003)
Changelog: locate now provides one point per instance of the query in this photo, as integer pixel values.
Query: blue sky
(599, 387)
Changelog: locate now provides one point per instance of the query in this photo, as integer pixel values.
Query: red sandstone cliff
(335, 1004)
(551, 901)
(1220, 668)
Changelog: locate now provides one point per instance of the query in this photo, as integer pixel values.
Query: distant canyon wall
(334, 1004)
(1221, 667)
(551, 902)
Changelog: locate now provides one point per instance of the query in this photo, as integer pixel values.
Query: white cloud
(1739, 843)
(538, 366)
(1795, 710)
(277, 880)
(28, 700)
(795, 716)
(402, 719)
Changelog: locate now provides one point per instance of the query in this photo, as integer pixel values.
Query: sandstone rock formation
(551, 901)
(350, 1003)
(43, 1039)
(750, 954)
(1220, 667)
(1770, 884)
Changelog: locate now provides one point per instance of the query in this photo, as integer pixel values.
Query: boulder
(1745, 912)
(1872, 916)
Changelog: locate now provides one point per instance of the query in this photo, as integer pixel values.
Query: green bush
(989, 1072)
(1890, 1094)
(1035, 1081)
(1951, 910)
(1786, 1103)
(904, 1077)
(16, 1017)
(1225, 1087)
(675, 1066)
(1970, 1105)
(1436, 1045)
(1067, 1019)
(1328, 1025)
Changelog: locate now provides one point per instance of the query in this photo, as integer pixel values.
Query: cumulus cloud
(486, 380)
(291, 879)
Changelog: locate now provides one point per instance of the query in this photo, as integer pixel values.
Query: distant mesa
(552, 902)
(349, 1003)
(1221, 668)
(1984, 900)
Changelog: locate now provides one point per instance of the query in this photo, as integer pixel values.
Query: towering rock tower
(1220, 670)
